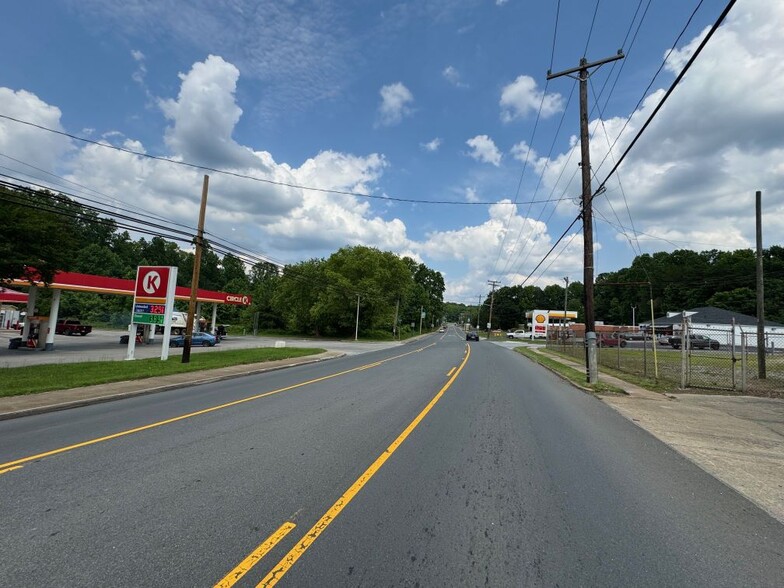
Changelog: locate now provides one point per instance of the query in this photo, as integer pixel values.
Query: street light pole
(356, 330)
(634, 326)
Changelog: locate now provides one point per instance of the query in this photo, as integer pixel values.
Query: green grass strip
(575, 376)
(41, 378)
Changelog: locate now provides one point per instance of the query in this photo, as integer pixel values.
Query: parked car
(663, 339)
(695, 342)
(610, 340)
(203, 339)
(72, 327)
(518, 334)
(472, 336)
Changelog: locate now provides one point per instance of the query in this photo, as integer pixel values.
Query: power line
(246, 176)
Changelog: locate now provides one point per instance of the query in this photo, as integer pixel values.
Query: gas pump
(36, 336)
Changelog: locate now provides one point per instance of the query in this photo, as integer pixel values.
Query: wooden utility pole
(587, 210)
(761, 368)
(186, 346)
(493, 283)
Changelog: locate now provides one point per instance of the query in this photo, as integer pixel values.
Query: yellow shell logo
(540, 318)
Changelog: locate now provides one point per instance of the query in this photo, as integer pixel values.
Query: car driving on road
(203, 339)
(695, 342)
(472, 336)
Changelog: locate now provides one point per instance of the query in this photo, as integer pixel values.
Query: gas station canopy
(12, 296)
(105, 285)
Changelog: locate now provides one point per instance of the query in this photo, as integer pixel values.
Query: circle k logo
(151, 282)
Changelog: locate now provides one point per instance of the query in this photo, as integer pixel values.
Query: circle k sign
(152, 281)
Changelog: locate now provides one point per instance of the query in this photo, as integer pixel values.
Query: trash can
(14, 343)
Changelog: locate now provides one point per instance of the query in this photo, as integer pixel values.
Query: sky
(436, 116)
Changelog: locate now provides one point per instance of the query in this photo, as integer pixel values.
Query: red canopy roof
(12, 296)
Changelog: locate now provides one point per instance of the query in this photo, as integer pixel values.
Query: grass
(708, 369)
(42, 378)
(577, 377)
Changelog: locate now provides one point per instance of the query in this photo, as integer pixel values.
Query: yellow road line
(255, 556)
(285, 564)
(450, 372)
(11, 469)
(30, 458)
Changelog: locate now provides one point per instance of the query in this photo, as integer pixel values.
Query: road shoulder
(739, 440)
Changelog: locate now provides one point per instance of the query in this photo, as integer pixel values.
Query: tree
(37, 241)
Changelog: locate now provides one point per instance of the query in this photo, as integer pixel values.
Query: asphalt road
(423, 465)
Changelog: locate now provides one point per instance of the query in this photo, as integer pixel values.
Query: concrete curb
(171, 386)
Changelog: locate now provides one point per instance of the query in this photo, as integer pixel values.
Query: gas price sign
(145, 313)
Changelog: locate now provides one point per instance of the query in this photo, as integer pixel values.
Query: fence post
(743, 362)
(618, 335)
(684, 345)
(732, 354)
(645, 355)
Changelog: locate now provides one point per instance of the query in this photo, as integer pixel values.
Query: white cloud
(396, 101)
(521, 242)
(452, 76)
(483, 149)
(141, 72)
(432, 146)
(204, 116)
(523, 152)
(295, 222)
(522, 98)
(471, 195)
(28, 144)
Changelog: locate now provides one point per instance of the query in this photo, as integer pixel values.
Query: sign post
(153, 304)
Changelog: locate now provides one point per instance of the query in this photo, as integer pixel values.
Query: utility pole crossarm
(585, 65)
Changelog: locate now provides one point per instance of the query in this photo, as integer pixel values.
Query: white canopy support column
(214, 317)
(55, 310)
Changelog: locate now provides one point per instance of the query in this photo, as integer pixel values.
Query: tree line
(675, 281)
(45, 232)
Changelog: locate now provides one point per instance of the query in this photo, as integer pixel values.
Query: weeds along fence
(711, 359)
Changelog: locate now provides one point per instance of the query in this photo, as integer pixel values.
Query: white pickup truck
(518, 334)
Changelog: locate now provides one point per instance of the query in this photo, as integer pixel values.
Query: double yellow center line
(288, 561)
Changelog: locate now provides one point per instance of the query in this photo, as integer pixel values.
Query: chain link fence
(703, 358)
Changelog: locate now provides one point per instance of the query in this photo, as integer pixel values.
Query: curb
(152, 390)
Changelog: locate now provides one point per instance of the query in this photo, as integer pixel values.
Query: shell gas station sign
(539, 321)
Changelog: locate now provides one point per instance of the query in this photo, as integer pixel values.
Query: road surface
(431, 464)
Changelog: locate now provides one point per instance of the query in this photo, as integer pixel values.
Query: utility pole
(478, 309)
(186, 345)
(587, 210)
(634, 325)
(421, 316)
(493, 283)
(761, 368)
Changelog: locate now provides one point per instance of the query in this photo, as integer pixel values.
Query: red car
(610, 340)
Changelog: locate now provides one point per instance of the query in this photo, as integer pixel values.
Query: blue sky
(430, 101)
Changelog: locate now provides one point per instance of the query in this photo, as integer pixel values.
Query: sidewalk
(29, 404)
(737, 439)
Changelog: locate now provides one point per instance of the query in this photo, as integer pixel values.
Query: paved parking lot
(104, 345)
